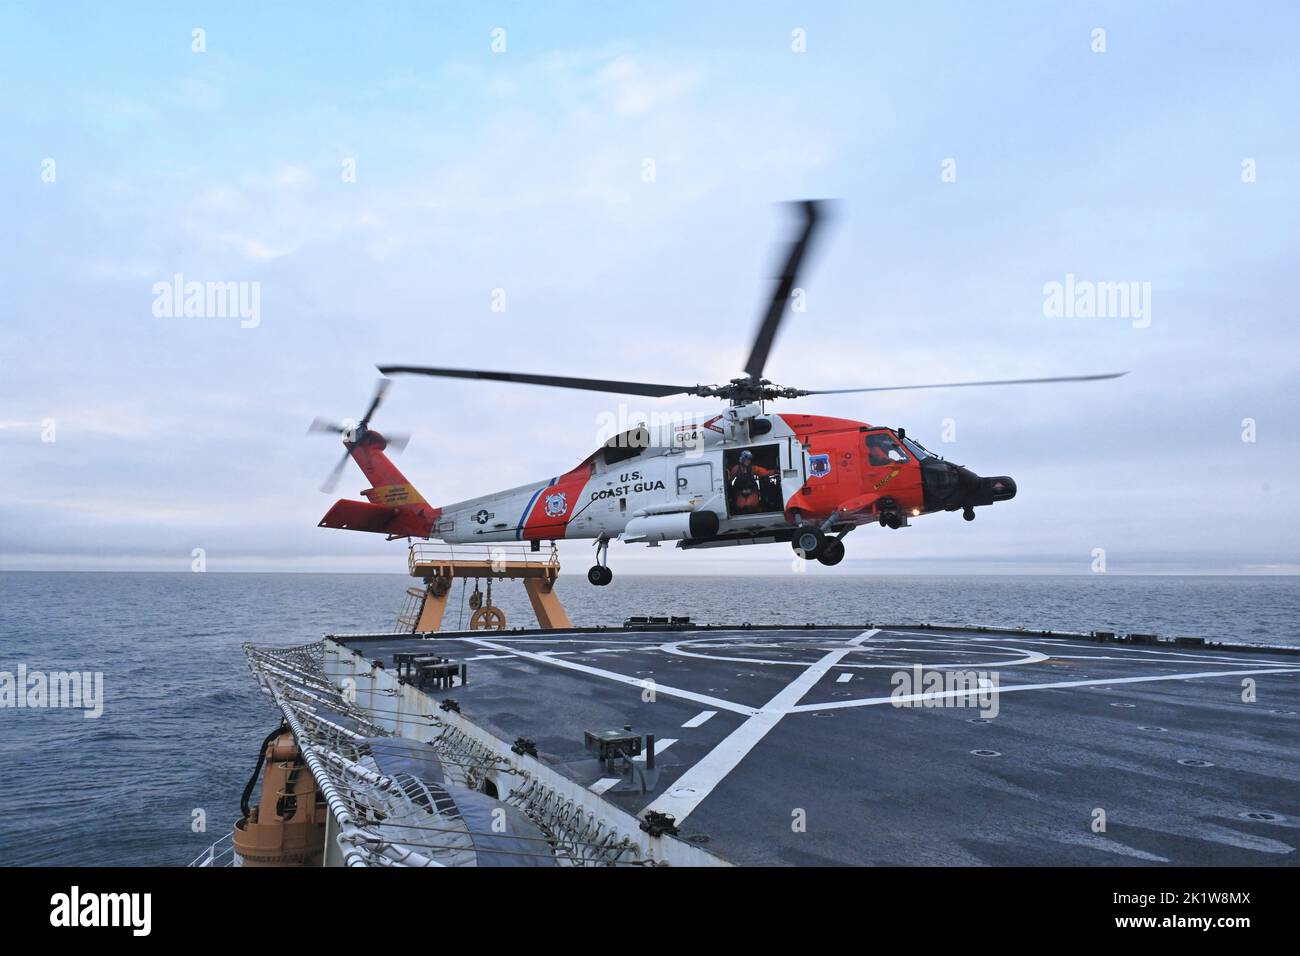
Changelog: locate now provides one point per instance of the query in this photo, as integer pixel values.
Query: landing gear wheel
(600, 574)
(969, 514)
(893, 521)
(808, 542)
(832, 552)
(488, 618)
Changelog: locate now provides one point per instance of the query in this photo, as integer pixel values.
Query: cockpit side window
(882, 449)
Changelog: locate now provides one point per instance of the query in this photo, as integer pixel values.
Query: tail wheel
(832, 552)
(600, 575)
(488, 618)
(808, 542)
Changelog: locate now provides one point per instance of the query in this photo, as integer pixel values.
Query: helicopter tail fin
(393, 506)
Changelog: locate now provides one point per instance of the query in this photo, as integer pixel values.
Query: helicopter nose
(947, 486)
(985, 491)
(1001, 488)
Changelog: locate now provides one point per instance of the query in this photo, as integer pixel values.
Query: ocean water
(183, 718)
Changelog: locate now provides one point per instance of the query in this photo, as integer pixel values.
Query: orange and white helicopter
(743, 476)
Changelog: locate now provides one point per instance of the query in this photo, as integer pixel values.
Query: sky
(383, 175)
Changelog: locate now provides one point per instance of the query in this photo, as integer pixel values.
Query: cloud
(525, 172)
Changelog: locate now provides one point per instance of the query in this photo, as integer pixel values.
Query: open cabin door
(753, 487)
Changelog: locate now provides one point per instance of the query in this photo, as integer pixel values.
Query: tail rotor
(357, 434)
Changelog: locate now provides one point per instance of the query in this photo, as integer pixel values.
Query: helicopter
(739, 477)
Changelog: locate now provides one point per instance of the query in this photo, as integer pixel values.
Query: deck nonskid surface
(786, 746)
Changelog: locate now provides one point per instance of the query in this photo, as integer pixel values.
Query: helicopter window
(917, 449)
(883, 450)
(626, 445)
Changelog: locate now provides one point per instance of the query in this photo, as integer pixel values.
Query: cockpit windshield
(917, 449)
(883, 450)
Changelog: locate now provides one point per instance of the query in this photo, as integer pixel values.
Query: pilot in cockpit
(883, 450)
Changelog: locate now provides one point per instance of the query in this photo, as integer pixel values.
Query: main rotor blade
(325, 425)
(781, 294)
(1005, 381)
(558, 381)
(381, 389)
(332, 481)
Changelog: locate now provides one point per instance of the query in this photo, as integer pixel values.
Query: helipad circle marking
(1120, 703)
(1263, 816)
(1031, 657)
(985, 753)
(1193, 762)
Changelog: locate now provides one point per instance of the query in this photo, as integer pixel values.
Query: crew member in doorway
(742, 480)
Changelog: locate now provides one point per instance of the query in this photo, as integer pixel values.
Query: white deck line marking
(1149, 655)
(486, 657)
(1162, 651)
(603, 784)
(1160, 657)
(1008, 688)
(844, 678)
(621, 678)
(688, 790)
(1180, 659)
(660, 747)
(644, 645)
(700, 718)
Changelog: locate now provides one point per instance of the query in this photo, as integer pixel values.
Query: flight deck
(877, 745)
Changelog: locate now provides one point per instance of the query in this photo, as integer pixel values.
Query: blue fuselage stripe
(519, 529)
